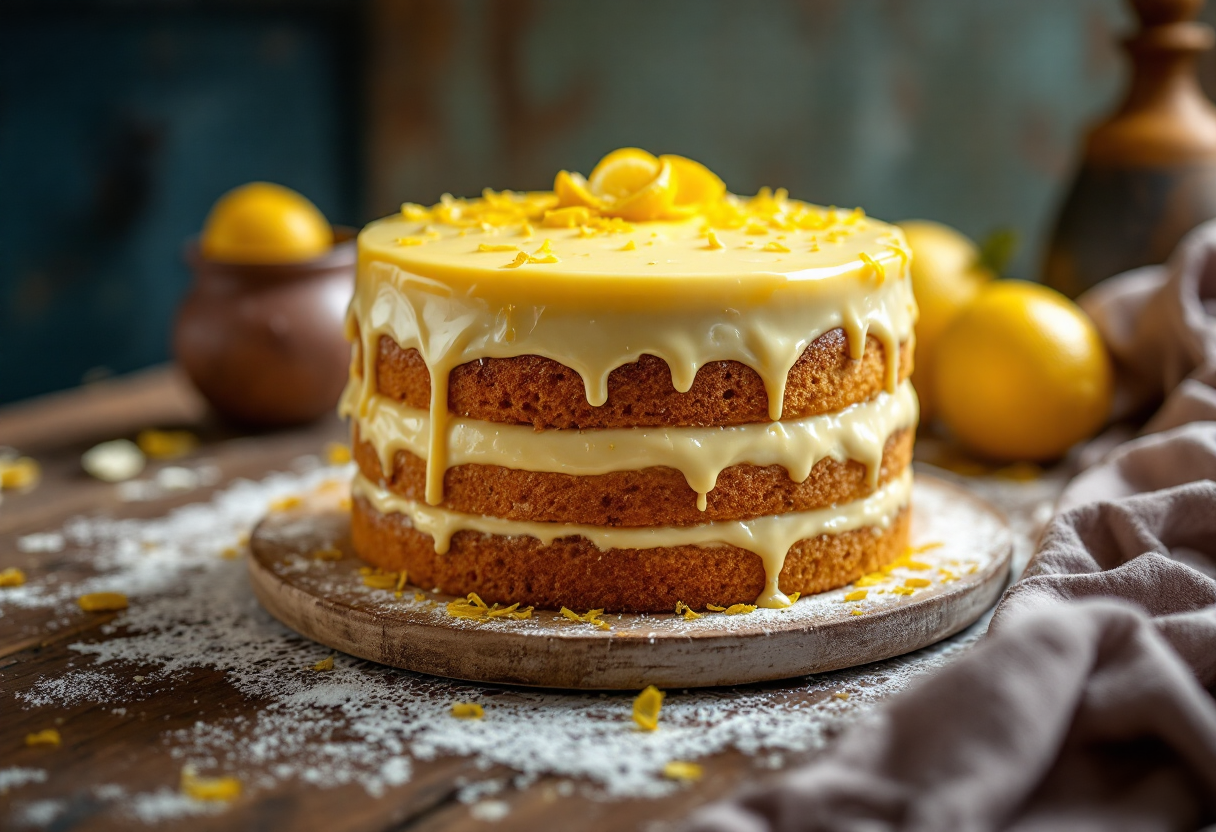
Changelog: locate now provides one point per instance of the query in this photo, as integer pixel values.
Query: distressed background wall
(120, 123)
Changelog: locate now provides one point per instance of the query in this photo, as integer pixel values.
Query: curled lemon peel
(473, 608)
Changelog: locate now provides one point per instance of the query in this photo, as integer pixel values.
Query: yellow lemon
(634, 185)
(946, 275)
(695, 183)
(572, 191)
(264, 223)
(1022, 373)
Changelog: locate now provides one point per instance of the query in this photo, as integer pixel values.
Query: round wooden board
(326, 601)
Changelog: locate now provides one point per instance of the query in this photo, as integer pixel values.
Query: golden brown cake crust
(572, 572)
(649, 497)
(538, 391)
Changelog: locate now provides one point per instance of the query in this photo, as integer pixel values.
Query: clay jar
(264, 343)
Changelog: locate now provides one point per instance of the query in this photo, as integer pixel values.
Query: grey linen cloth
(1088, 705)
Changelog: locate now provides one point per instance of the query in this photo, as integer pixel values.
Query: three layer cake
(630, 393)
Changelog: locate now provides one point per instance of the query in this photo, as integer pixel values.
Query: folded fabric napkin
(1088, 704)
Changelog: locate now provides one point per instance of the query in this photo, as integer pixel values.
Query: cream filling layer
(768, 537)
(858, 432)
(765, 321)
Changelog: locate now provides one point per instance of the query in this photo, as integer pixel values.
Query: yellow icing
(858, 432)
(769, 537)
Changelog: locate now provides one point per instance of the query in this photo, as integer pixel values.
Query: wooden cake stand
(964, 552)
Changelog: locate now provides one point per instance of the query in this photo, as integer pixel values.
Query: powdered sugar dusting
(372, 725)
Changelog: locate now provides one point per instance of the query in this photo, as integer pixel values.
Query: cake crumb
(12, 577)
(682, 771)
(646, 708)
(326, 663)
(102, 602)
(48, 736)
(467, 710)
(209, 788)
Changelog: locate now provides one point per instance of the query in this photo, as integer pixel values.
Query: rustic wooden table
(130, 747)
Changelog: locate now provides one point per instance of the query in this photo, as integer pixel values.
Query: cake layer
(652, 496)
(700, 454)
(573, 572)
(769, 537)
(544, 393)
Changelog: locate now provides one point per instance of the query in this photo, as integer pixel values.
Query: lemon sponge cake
(634, 391)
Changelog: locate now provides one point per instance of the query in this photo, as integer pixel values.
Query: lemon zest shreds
(12, 577)
(925, 547)
(871, 579)
(916, 564)
(467, 710)
(415, 212)
(570, 217)
(381, 581)
(286, 503)
(774, 246)
(740, 609)
(491, 247)
(903, 590)
(686, 611)
(918, 583)
(712, 242)
(629, 246)
(520, 259)
(856, 612)
(682, 771)
(209, 788)
(102, 602)
(880, 272)
(591, 617)
(857, 595)
(337, 453)
(401, 580)
(476, 609)
(48, 736)
(715, 608)
(326, 663)
(418, 596)
(327, 554)
(646, 708)
(794, 596)
(20, 473)
(230, 553)
(410, 241)
(842, 695)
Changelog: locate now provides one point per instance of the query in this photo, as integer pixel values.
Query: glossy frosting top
(739, 250)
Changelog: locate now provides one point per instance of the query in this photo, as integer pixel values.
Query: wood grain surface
(130, 749)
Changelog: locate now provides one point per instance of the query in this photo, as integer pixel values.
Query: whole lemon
(264, 223)
(946, 274)
(1022, 373)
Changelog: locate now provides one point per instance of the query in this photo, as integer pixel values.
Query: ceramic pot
(264, 343)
